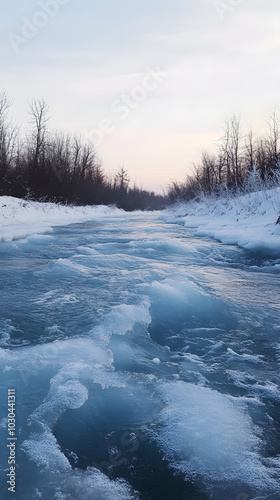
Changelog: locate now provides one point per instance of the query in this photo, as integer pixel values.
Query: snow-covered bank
(21, 218)
(248, 220)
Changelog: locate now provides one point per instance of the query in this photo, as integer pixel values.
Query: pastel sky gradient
(91, 59)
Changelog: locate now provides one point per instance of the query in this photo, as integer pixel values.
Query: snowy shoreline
(21, 218)
(248, 221)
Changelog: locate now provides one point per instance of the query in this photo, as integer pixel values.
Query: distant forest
(241, 163)
(49, 166)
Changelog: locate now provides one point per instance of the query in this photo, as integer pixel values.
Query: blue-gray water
(145, 362)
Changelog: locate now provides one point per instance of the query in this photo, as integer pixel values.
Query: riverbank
(248, 221)
(20, 218)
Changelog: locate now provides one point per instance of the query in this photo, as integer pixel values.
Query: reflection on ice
(152, 330)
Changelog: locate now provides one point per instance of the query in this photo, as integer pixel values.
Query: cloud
(93, 51)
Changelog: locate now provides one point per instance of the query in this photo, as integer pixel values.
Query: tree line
(239, 158)
(53, 166)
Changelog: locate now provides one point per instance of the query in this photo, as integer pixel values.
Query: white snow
(20, 218)
(248, 220)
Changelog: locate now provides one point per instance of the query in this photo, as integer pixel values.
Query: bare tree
(231, 152)
(273, 140)
(59, 156)
(121, 180)
(8, 142)
(38, 141)
(225, 152)
(236, 137)
(249, 151)
(209, 171)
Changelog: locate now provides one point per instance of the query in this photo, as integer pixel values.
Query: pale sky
(150, 81)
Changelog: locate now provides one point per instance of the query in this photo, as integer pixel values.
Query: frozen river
(145, 362)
